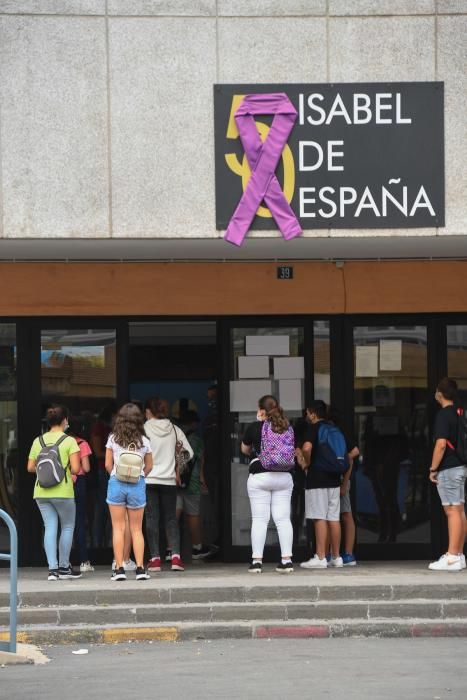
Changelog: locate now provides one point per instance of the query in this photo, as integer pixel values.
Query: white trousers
(270, 493)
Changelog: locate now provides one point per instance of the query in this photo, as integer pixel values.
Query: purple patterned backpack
(277, 449)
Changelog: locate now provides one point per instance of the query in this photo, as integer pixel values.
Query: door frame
(238, 553)
(28, 338)
(344, 399)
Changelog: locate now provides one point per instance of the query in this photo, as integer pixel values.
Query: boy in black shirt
(322, 497)
(449, 473)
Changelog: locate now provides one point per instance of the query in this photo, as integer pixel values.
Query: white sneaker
(337, 562)
(86, 566)
(462, 556)
(315, 563)
(447, 562)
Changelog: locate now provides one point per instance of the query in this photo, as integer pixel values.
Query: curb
(246, 630)
(301, 592)
(7, 658)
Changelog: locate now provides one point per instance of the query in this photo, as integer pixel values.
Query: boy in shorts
(322, 498)
(448, 472)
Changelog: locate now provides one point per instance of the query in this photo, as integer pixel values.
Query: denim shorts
(451, 486)
(120, 493)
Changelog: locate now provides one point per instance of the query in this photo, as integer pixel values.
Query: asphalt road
(335, 669)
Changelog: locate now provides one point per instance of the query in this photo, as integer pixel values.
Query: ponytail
(274, 413)
(55, 415)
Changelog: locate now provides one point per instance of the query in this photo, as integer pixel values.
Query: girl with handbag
(128, 459)
(168, 445)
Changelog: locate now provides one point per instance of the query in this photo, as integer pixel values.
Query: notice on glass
(267, 345)
(244, 394)
(390, 355)
(289, 368)
(366, 361)
(253, 367)
(291, 394)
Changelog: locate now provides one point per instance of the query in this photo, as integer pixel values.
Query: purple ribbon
(263, 159)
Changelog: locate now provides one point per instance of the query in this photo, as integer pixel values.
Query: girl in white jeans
(270, 492)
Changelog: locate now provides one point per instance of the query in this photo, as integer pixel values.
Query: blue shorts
(132, 496)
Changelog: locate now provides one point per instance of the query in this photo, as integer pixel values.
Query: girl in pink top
(80, 496)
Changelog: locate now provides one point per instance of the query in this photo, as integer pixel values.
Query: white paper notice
(244, 395)
(267, 345)
(290, 394)
(366, 361)
(289, 368)
(390, 355)
(253, 367)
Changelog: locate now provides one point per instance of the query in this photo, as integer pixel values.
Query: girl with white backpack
(128, 459)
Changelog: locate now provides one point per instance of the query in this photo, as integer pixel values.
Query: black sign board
(285, 272)
(361, 155)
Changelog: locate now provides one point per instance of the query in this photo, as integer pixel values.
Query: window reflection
(322, 361)
(457, 358)
(78, 369)
(390, 384)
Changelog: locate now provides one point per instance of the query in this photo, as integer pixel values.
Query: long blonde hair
(274, 413)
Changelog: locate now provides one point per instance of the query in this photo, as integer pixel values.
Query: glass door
(263, 360)
(79, 370)
(391, 489)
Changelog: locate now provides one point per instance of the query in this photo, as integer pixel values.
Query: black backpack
(49, 468)
(461, 442)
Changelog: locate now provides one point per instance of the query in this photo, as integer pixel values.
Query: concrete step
(254, 629)
(64, 593)
(373, 599)
(147, 614)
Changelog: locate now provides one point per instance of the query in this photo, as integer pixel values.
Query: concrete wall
(106, 114)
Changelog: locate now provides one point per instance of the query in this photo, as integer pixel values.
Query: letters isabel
(380, 108)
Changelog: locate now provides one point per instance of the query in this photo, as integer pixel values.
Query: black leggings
(161, 499)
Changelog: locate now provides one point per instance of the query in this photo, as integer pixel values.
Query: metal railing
(13, 559)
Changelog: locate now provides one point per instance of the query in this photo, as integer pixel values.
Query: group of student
(144, 478)
(327, 458)
(275, 447)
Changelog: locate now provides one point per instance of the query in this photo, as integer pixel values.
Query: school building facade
(122, 165)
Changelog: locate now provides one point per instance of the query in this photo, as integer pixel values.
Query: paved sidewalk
(214, 601)
(321, 669)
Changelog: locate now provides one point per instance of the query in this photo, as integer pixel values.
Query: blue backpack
(331, 453)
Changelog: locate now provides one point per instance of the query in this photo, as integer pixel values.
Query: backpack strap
(60, 440)
(320, 423)
(41, 441)
(68, 465)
